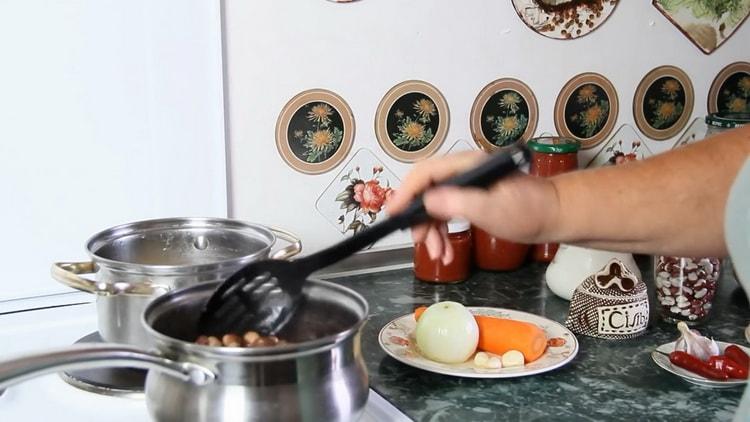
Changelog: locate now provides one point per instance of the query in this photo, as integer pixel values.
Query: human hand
(517, 208)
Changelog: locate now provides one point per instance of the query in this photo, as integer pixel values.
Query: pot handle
(68, 273)
(289, 251)
(91, 356)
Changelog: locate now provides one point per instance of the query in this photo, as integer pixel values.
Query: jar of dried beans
(685, 287)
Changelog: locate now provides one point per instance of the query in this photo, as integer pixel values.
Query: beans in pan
(248, 339)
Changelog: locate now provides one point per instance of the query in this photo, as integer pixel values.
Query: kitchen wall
(110, 112)
(274, 50)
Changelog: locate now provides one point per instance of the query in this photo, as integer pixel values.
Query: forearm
(672, 203)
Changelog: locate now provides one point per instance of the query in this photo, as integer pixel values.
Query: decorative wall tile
(663, 102)
(461, 145)
(625, 145)
(730, 90)
(412, 121)
(505, 111)
(586, 109)
(354, 199)
(695, 132)
(564, 19)
(708, 24)
(315, 131)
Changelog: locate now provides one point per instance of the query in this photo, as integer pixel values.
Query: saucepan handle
(293, 249)
(69, 274)
(91, 356)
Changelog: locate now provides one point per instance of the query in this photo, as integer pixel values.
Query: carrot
(418, 312)
(498, 335)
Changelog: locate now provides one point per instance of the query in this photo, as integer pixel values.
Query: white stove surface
(50, 398)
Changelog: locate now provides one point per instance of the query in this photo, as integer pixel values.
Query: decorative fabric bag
(611, 304)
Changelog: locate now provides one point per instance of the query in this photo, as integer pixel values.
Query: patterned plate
(691, 377)
(397, 338)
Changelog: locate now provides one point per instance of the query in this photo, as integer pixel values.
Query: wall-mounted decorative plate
(586, 109)
(354, 199)
(624, 146)
(315, 131)
(730, 90)
(706, 23)
(663, 102)
(695, 132)
(564, 19)
(504, 112)
(412, 121)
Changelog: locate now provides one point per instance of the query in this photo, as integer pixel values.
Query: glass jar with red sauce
(550, 156)
(496, 254)
(434, 271)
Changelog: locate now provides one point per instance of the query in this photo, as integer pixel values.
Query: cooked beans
(249, 339)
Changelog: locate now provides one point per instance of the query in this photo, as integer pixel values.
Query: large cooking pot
(319, 376)
(137, 262)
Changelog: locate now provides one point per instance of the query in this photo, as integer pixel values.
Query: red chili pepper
(738, 355)
(693, 364)
(725, 364)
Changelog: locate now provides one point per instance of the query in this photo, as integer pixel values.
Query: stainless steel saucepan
(319, 376)
(134, 263)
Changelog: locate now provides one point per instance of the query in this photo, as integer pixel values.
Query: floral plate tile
(564, 19)
(315, 131)
(730, 90)
(504, 112)
(412, 121)
(354, 200)
(663, 102)
(397, 339)
(707, 23)
(586, 109)
(625, 145)
(695, 132)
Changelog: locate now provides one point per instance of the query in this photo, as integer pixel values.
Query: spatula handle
(498, 164)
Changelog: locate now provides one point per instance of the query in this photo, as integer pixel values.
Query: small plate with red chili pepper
(723, 371)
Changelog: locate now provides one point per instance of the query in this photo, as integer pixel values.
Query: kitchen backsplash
(329, 104)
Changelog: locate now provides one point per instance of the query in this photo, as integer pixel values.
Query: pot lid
(175, 244)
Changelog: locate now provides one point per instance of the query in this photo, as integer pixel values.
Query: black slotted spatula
(263, 295)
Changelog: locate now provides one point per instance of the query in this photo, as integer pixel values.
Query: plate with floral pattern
(504, 112)
(663, 102)
(586, 109)
(730, 90)
(397, 339)
(315, 131)
(412, 121)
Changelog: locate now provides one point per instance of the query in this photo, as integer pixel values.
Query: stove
(43, 324)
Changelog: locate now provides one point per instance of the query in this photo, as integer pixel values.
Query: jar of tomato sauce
(434, 271)
(550, 156)
(496, 254)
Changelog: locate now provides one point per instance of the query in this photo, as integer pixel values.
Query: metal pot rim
(291, 350)
(96, 241)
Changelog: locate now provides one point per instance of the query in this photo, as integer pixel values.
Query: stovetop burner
(118, 382)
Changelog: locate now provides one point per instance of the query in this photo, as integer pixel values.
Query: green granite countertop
(608, 380)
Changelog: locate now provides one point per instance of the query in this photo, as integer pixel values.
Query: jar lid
(553, 145)
(728, 120)
(458, 225)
